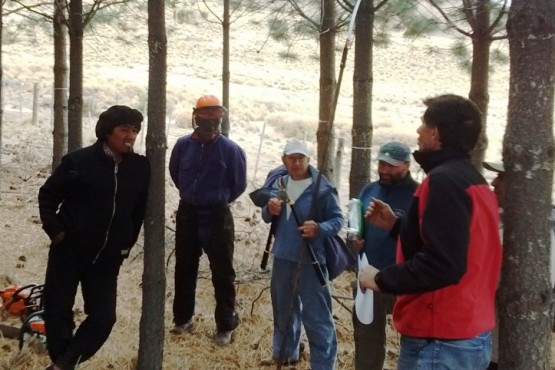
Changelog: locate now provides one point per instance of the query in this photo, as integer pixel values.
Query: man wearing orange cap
(210, 172)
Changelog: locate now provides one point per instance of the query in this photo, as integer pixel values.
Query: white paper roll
(364, 301)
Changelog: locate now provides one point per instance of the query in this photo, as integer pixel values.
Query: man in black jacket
(92, 208)
(449, 250)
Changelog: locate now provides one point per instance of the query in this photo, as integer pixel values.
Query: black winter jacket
(99, 205)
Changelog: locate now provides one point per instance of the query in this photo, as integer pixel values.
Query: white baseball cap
(295, 147)
(494, 166)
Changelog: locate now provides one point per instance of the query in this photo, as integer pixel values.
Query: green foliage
(421, 26)
(184, 16)
(279, 30)
(462, 54)
(237, 4)
(382, 38)
(499, 57)
(30, 29)
(416, 18)
(23, 22)
(288, 55)
(292, 20)
(397, 15)
(433, 50)
(460, 50)
(305, 29)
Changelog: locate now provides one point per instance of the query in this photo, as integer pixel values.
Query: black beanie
(117, 115)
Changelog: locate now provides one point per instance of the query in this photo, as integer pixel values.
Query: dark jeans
(210, 229)
(370, 340)
(65, 270)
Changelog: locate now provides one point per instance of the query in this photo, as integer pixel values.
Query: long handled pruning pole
(266, 255)
(313, 258)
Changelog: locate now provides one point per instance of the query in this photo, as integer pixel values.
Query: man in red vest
(449, 249)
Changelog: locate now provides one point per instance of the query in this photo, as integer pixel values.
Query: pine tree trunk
(75, 103)
(479, 79)
(151, 341)
(361, 154)
(325, 135)
(1, 81)
(225, 68)
(526, 296)
(59, 132)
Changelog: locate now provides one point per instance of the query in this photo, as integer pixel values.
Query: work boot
(273, 362)
(223, 338)
(184, 328)
(58, 367)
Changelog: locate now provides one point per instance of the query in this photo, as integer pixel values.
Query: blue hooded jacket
(289, 244)
(379, 244)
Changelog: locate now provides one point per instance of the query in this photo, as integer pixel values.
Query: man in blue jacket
(210, 172)
(395, 187)
(92, 208)
(304, 220)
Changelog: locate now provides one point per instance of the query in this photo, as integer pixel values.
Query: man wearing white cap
(297, 293)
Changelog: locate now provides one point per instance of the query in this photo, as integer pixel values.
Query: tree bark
(75, 103)
(59, 133)
(479, 78)
(526, 296)
(1, 81)
(151, 341)
(361, 154)
(225, 68)
(35, 116)
(338, 160)
(325, 135)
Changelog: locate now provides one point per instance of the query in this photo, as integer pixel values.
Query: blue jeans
(438, 354)
(307, 302)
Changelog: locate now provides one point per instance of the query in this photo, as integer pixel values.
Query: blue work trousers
(302, 299)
